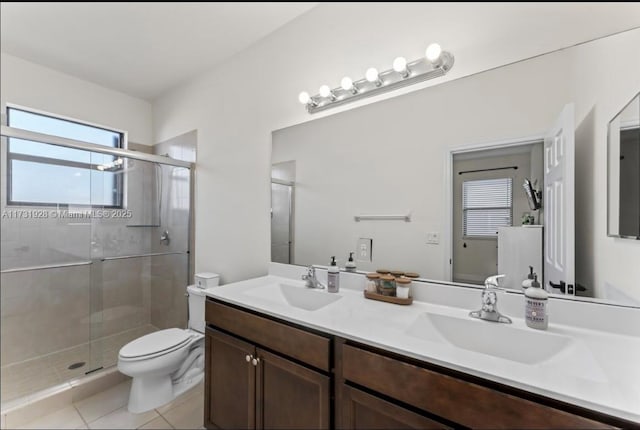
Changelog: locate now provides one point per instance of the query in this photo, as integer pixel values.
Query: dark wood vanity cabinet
(265, 373)
(417, 391)
(248, 386)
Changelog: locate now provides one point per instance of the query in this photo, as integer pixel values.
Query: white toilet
(166, 363)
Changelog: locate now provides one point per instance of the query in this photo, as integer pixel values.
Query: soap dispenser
(350, 266)
(333, 277)
(527, 282)
(536, 299)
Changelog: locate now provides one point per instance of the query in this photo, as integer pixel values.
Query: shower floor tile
(28, 377)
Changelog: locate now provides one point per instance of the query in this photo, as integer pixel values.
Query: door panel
(290, 396)
(230, 389)
(559, 255)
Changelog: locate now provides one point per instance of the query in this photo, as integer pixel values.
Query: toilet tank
(197, 298)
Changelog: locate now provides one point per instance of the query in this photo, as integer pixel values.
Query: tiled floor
(24, 378)
(108, 410)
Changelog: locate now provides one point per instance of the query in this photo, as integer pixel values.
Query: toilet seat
(155, 344)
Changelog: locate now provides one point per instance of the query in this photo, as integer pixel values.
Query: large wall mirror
(380, 180)
(623, 179)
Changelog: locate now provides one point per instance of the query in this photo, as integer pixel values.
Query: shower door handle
(165, 237)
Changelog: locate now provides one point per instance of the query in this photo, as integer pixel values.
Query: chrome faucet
(310, 277)
(489, 310)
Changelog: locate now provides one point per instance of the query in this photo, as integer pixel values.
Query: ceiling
(146, 49)
(141, 49)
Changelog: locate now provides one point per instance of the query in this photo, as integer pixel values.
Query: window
(486, 205)
(44, 174)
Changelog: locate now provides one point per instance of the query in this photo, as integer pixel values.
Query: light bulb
(372, 74)
(346, 83)
(400, 64)
(324, 91)
(433, 52)
(304, 97)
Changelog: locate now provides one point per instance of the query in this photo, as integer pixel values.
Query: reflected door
(281, 223)
(559, 254)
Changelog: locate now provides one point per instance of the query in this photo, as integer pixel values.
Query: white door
(559, 253)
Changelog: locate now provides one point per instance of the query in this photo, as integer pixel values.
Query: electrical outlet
(433, 238)
(363, 250)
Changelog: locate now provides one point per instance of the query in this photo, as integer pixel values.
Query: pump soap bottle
(536, 299)
(527, 282)
(350, 266)
(333, 277)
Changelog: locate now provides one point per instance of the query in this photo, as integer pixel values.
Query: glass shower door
(45, 264)
(139, 250)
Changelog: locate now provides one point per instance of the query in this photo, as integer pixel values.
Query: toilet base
(151, 392)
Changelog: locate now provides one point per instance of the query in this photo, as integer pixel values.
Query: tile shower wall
(43, 311)
(171, 273)
(168, 300)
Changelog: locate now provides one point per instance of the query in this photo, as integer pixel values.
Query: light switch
(433, 238)
(363, 250)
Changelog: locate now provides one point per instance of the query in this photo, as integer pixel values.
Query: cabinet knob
(248, 358)
(255, 361)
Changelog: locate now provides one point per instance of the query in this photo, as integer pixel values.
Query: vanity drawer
(459, 401)
(285, 339)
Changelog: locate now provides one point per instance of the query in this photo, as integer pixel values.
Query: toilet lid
(154, 343)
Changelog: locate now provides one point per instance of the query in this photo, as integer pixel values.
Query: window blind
(486, 205)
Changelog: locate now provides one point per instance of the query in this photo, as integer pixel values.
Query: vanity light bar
(436, 63)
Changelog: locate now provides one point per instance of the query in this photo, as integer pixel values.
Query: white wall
(236, 106)
(34, 86)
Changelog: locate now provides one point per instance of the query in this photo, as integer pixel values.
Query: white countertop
(601, 373)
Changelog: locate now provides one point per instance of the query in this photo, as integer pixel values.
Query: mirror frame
(609, 209)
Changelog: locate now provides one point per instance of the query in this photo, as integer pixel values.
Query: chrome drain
(76, 365)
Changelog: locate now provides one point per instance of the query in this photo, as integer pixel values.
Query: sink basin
(496, 339)
(292, 295)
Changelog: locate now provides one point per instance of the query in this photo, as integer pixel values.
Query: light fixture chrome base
(421, 70)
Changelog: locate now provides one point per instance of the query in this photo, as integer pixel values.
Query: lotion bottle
(536, 300)
(350, 266)
(333, 277)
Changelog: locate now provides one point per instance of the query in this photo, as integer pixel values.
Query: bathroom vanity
(282, 356)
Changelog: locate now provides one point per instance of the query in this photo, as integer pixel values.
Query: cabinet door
(230, 400)
(289, 395)
(364, 411)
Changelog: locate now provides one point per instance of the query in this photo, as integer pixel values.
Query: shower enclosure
(81, 278)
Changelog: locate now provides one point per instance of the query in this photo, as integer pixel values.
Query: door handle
(248, 358)
(255, 361)
(562, 286)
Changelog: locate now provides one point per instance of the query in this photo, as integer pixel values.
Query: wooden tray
(389, 299)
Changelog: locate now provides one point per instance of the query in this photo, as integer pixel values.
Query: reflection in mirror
(494, 228)
(624, 172)
(393, 159)
(283, 176)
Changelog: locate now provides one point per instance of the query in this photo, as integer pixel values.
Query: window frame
(465, 211)
(10, 156)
